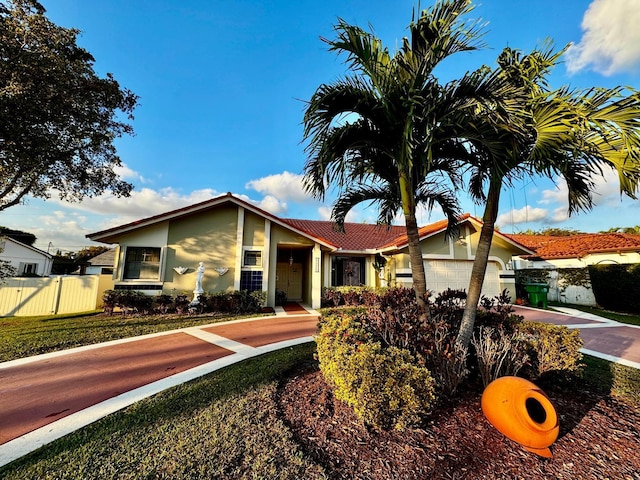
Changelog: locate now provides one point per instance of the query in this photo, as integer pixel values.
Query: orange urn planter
(522, 413)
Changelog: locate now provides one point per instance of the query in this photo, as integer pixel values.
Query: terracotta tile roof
(357, 236)
(577, 246)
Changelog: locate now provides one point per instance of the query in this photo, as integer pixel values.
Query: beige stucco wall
(209, 237)
(253, 234)
(434, 246)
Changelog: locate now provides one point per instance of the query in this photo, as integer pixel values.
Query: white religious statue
(199, 275)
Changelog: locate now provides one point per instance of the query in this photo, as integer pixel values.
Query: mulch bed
(599, 438)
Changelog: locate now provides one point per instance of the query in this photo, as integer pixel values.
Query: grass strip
(613, 378)
(627, 318)
(223, 425)
(26, 336)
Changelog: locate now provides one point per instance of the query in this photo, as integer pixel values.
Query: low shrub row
(391, 367)
(134, 302)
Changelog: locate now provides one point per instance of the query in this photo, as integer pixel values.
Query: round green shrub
(385, 386)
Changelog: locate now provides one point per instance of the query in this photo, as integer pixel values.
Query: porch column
(316, 276)
(239, 239)
(265, 262)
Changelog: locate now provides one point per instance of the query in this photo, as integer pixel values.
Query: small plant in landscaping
(551, 348)
(498, 353)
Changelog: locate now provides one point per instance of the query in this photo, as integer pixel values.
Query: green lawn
(26, 336)
(223, 425)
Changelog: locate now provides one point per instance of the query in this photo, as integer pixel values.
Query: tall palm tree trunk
(413, 242)
(479, 265)
(417, 265)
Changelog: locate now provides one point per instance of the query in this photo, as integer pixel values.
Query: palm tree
(391, 134)
(571, 134)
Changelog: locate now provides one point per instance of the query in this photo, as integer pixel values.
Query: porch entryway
(290, 273)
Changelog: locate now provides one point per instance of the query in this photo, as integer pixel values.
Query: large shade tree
(391, 134)
(58, 118)
(572, 135)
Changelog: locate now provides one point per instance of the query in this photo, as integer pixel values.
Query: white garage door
(455, 274)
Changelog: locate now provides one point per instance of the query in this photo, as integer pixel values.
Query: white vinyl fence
(63, 294)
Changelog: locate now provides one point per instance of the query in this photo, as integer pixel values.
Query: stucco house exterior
(27, 260)
(246, 248)
(558, 255)
(577, 251)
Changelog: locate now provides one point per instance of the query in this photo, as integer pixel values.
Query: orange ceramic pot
(521, 412)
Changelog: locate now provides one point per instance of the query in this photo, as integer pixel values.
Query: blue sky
(222, 86)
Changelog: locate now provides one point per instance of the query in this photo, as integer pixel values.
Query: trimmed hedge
(386, 387)
(551, 348)
(134, 302)
(616, 287)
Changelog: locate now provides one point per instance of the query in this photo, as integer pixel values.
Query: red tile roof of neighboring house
(356, 237)
(577, 246)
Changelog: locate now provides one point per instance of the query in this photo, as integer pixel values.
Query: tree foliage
(58, 118)
(574, 135)
(389, 134)
(553, 232)
(22, 237)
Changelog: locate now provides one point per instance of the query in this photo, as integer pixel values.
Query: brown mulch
(599, 438)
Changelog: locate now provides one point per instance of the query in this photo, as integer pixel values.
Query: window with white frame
(28, 268)
(251, 257)
(142, 263)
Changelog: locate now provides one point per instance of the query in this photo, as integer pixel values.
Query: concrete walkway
(45, 397)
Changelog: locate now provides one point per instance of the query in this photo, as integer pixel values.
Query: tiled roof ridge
(578, 245)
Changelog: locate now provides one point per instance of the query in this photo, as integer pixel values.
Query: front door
(289, 280)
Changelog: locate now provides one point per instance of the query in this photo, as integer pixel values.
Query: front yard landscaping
(275, 416)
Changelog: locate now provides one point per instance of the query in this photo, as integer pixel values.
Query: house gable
(27, 260)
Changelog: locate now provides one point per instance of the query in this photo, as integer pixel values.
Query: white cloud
(522, 215)
(611, 40)
(269, 204)
(61, 230)
(607, 189)
(128, 174)
(559, 195)
(142, 203)
(324, 213)
(285, 186)
(559, 215)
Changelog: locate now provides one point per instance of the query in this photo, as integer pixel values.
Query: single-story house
(556, 258)
(243, 247)
(101, 264)
(577, 251)
(27, 260)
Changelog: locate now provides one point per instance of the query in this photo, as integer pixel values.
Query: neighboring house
(560, 256)
(578, 251)
(27, 260)
(101, 264)
(245, 248)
